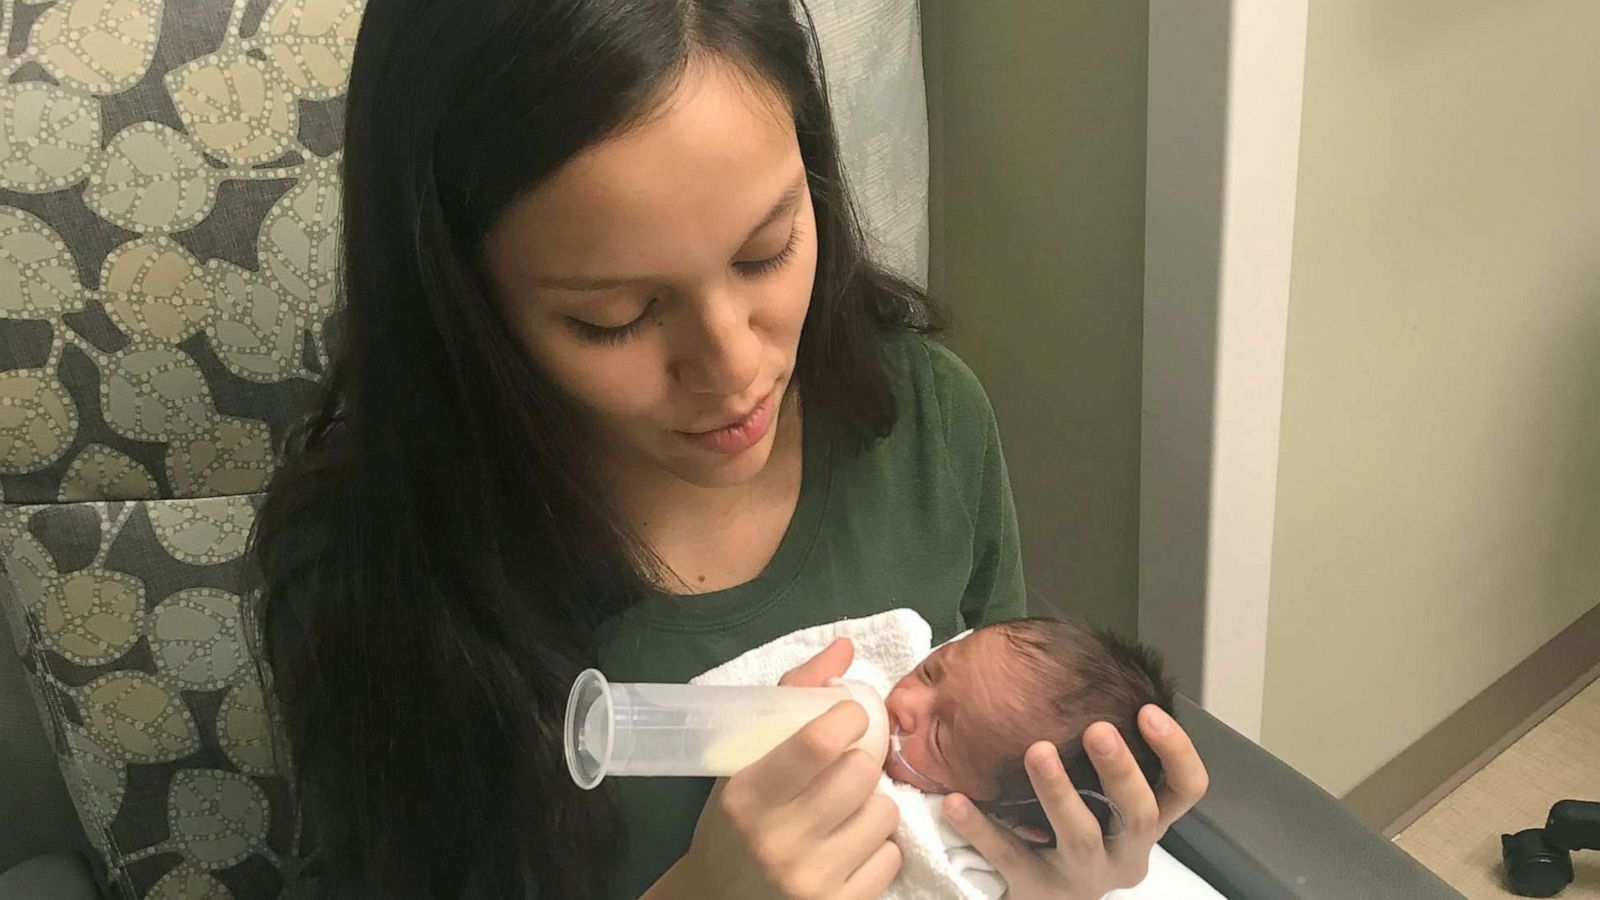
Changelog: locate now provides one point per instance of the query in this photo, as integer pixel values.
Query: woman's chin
(720, 473)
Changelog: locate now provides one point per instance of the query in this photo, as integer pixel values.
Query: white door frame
(1225, 83)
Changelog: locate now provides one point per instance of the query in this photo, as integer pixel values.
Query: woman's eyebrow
(785, 204)
(585, 284)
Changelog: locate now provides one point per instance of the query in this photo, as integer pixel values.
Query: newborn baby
(963, 718)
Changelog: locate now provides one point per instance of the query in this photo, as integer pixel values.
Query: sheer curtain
(872, 54)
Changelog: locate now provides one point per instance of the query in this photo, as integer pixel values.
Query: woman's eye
(611, 334)
(758, 267)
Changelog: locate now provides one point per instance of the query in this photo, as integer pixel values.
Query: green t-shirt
(922, 518)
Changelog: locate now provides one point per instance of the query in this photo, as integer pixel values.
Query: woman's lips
(741, 435)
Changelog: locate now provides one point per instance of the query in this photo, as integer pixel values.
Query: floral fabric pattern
(134, 632)
(169, 211)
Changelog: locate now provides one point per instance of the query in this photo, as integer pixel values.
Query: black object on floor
(1538, 861)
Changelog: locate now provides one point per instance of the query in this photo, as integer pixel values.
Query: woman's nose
(722, 356)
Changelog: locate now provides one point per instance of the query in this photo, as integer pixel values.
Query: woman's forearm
(673, 884)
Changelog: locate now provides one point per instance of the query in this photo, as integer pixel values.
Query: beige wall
(1438, 510)
(1036, 112)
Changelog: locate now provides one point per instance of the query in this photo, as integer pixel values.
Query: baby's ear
(1030, 834)
(1026, 820)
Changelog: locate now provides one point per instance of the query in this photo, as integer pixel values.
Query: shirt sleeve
(995, 588)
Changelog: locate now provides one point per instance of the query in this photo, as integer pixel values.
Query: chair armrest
(1264, 831)
(57, 876)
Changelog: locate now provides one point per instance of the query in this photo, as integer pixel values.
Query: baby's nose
(904, 710)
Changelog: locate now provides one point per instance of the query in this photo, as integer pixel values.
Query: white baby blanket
(888, 645)
(938, 864)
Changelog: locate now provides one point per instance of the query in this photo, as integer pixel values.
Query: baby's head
(967, 714)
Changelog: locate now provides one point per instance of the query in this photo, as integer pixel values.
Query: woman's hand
(1083, 865)
(802, 821)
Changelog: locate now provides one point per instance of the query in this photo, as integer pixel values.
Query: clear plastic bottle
(697, 730)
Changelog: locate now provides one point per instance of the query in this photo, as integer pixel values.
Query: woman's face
(661, 279)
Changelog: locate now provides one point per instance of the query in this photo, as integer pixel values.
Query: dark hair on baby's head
(1082, 675)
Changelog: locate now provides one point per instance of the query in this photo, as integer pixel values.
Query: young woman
(616, 385)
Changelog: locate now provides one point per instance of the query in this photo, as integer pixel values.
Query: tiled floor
(1460, 838)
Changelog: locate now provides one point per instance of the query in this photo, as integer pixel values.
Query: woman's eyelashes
(612, 334)
(751, 269)
(758, 267)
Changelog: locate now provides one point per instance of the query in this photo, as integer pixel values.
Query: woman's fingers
(1126, 785)
(1077, 830)
(1016, 862)
(839, 791)
(789, 768)
(1185, 779)
(874, 876)
(830, 663)
(870, 825)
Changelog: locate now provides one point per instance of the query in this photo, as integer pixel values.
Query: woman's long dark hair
(434, 552)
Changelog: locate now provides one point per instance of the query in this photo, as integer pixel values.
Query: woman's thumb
(830, 663)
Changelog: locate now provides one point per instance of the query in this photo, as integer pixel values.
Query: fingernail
(1156, 721)
(957, 808)
(1102, 743)
(1042, 763)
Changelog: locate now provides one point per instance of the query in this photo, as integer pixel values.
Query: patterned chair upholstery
(168, 218)
(169, 210)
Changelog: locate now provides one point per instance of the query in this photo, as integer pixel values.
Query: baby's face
(958, 717)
